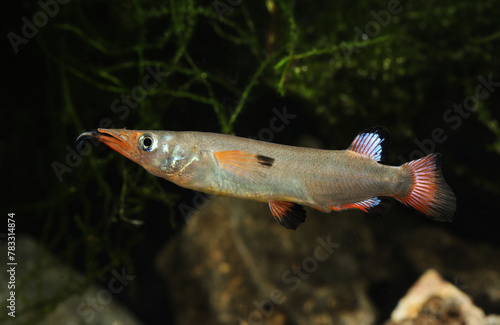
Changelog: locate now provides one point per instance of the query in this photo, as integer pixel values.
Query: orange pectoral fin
(243, 164)
(289, 215)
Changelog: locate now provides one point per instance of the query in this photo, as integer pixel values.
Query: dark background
(226, 72)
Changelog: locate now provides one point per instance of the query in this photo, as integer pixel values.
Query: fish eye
(147, 142)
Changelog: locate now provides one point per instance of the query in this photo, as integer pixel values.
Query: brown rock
(233, 264)
(432, 300)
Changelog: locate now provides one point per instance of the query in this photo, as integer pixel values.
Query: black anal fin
(290, 215)
(381, 208)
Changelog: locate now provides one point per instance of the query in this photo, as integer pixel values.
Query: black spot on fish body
(265, 161)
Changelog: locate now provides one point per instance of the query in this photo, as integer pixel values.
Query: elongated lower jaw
(85, 138)
(121, 140)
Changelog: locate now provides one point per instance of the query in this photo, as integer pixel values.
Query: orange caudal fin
(427, 191)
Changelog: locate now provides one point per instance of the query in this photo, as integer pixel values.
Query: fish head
(159, 152)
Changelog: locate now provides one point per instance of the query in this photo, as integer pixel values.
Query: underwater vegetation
(428, 71)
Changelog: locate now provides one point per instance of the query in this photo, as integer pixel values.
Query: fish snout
(121, 140)
(86, 138)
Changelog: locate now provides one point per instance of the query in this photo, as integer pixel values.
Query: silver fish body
(313, 177)
(285, 176)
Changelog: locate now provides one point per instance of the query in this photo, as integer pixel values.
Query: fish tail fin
(426, 190)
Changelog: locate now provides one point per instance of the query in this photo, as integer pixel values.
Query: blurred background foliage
(225, 65)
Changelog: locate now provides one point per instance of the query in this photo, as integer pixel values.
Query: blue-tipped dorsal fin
(373, 142)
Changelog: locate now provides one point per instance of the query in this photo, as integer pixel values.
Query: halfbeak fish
(288, 177)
